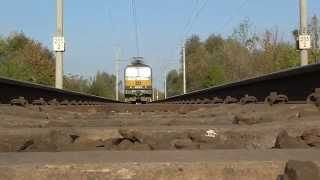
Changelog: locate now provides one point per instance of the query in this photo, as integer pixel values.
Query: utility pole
(303, 31)
(184, 70)
(117, 80)
(157, 95)
(165, 85)
(59, 46)
(117, 63)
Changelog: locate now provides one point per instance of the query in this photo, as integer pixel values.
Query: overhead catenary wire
(188, 27)
(136, 25)
(113, 26)
(195, 15)
(189, 20)
(231, 18)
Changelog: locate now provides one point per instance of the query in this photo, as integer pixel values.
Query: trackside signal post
(304, 36)
(59, 46)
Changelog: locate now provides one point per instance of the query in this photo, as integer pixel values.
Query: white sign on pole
(58, 44)
(304, 42)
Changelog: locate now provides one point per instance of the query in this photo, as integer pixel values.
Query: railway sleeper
(83, 103)
(39, 102)
(217, 100)
(231, 100)
(314, 98)
(74, 103)
(21, 101)
(64, 103)
(199, 101)
(275, 98)
(53, 102)
(248, 100)
(181, 102)
(206, 101)
(202, 101)
(96, 103)
(184, 102)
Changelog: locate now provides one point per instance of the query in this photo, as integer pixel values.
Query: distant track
(12, 89)
(297, 84)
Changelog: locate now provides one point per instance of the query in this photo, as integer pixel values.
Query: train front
(138, 82)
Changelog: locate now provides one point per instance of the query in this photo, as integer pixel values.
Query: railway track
(21, 93)
(298, 85)
(195, 136)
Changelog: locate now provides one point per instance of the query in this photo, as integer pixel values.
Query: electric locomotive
(138, 82)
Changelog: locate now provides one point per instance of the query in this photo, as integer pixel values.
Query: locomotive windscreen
(138, 73)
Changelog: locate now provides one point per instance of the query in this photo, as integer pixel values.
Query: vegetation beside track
(244, 54)
(25, 59)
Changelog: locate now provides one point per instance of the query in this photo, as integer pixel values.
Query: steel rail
(297, 84)
(13, 89)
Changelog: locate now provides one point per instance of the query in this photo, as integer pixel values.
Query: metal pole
(184, 70)
(117, 73)
(157, 95)
(59, 54)
(165, 85)
(117, 80)
(303, 30)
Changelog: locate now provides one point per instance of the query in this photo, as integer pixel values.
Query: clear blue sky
(94, 27)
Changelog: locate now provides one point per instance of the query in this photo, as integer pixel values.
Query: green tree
(216, 76)
(197, 62)
(25, 59)
(245, 36)
(76, 83)
(174, 83)
(103, 85)
(243, 55)
(236, 60)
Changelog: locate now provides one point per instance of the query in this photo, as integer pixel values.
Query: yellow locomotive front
(138, 82)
